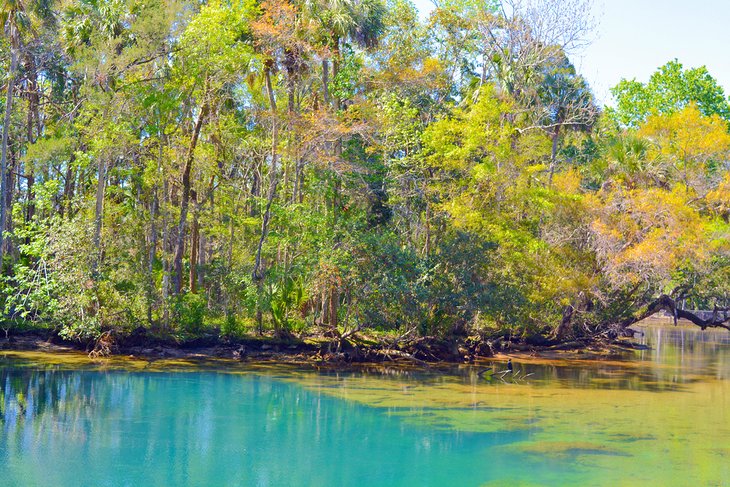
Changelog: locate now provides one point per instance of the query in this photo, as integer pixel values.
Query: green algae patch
(562, 449)
(68, 360)
(648, 421)
(469, 420)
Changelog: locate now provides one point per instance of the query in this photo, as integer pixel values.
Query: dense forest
(286, 166)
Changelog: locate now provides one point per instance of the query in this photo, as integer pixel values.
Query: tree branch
(666, 303)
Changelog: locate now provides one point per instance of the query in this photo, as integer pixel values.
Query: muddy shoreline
(321, 350)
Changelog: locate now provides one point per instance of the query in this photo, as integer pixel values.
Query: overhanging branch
(666, 303)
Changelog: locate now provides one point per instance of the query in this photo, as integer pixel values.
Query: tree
(214, 46)
(524, 37)
(14, 17)
(695, 146)
(671, 88)
(277, 165)
(359, 21)
(563, 100)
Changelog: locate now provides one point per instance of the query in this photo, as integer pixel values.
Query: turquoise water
(655, 418)
(118, 428)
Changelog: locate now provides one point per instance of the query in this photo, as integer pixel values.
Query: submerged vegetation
(284, 166)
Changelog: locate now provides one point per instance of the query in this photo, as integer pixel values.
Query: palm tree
(360, 21)
(565, 101)
(630, 159)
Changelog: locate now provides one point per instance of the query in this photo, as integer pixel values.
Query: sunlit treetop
(668, 90)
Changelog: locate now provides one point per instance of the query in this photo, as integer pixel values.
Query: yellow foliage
(479, 134)
(432, 66)
(718, 199)
(688, 135)
(645, 234)
(567, 182)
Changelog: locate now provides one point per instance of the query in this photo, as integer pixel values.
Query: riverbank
(322, 349)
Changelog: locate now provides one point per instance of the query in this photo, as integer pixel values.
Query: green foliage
(189, 311)
(345, 83)
(448, 179)
(668, 90)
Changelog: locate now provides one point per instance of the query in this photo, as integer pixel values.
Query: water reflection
(204, 428)
(686, 349)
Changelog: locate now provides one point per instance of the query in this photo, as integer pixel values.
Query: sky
(634, 37)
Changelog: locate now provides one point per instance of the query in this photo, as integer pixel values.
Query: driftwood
(390, 353)
(567, 346)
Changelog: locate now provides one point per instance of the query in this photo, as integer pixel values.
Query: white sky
(634, 38)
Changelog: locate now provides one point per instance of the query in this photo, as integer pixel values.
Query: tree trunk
(4, 155)
(152, 256)
(185, 198)
(202, 258)
(335, 71)
(154, 210)
(231, 241)
(13, 188)
(565, 323)
(291, 125)
(337, 152)
(255, 188)
(202, 241)
(336, 102)
(326, 81)
(291, 77)
(98, 214)
(33, 118)
(334, 300)
(166, 244)
(68, 186)
(258, 271)
(194, 243)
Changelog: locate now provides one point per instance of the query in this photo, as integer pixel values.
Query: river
(659, 416)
